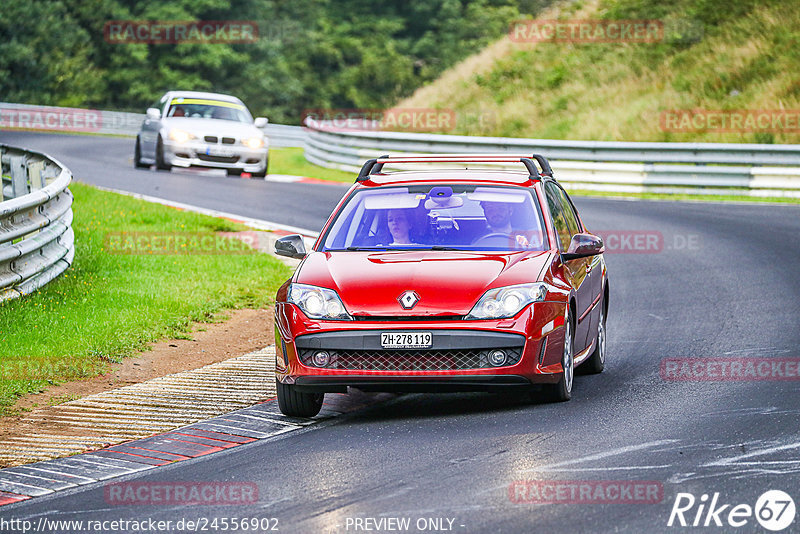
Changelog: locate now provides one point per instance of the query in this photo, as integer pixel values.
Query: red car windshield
(439, 217)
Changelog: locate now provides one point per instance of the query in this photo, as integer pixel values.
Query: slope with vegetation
(715, 55)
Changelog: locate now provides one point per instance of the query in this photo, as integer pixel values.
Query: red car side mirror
(582, 246)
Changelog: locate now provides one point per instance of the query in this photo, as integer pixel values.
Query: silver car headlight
(504, 302)
(181, 136)
(318, 302)
(253, 142)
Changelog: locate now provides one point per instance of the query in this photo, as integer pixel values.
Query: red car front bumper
(533, 341)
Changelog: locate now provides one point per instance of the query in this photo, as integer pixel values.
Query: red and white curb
(234, 429)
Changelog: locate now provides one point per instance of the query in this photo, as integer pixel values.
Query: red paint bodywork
(449, 283)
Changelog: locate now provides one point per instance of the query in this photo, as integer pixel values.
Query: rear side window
(569, 212)
(559, 218)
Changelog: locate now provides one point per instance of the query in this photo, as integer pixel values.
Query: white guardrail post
(36, 239)
(695, 168)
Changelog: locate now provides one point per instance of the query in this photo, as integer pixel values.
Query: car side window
(161, 104)
(569, 212)
(557, 213)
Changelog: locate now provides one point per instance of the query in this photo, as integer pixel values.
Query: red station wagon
(436, 280)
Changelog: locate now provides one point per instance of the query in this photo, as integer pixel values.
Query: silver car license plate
(406, 340)
(220, 152)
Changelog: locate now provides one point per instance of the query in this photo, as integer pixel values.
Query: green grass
(292, 161)
(110, 306)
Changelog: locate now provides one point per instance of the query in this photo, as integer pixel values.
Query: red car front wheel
(562, 391)
(295, 403)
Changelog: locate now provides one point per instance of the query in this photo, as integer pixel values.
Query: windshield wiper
(442, 247)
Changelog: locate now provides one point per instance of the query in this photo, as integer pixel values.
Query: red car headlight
(504, 302)
(318, 302)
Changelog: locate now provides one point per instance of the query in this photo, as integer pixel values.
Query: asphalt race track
(721, 281)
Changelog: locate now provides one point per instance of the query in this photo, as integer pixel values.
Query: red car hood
(448, 283)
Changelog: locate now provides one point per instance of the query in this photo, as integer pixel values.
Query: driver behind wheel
(498, 221)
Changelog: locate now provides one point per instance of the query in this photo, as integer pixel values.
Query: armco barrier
(51, 118)
(36, 239)
(708, 168)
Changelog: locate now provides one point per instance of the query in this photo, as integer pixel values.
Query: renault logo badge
(408, 299)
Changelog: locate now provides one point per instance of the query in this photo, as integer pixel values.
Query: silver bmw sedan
(194, 129)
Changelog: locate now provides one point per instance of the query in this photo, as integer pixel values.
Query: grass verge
(292, 161)
(108, 306)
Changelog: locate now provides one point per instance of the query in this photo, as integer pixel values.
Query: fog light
(321, 359)
(497, 358)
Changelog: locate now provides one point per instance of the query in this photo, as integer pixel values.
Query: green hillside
(716, 55)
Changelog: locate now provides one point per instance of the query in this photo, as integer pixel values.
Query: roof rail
(375, 165)
(369, 167)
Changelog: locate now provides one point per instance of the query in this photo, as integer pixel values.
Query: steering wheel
(485, 240)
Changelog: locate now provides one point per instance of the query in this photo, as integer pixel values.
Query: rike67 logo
(774, 510)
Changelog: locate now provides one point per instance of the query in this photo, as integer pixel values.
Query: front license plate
(220, 152)
(406, 340)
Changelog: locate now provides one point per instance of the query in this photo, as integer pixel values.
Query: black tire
(263, 173)
(137, 156)
(562, 391)
(294, 403)
(234, 172)
(160, 164)
(597, 360)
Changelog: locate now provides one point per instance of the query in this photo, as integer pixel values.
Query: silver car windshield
(439, 217)
(202, 108)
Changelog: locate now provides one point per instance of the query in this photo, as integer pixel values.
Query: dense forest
(308, 54)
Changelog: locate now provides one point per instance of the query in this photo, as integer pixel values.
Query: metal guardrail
(51, 118)
(36, 239)
(708, 168)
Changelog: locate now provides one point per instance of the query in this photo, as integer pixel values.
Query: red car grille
(411, 360)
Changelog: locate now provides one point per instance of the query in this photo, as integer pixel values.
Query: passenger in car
(498, 221)
(400, 226)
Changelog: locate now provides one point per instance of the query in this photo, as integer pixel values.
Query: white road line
(736, 459)
(606, 454)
